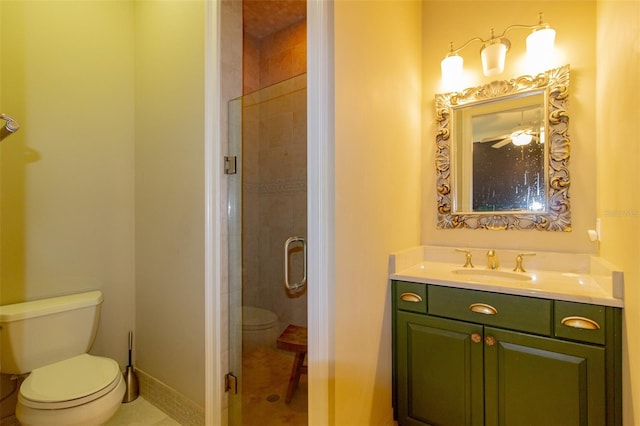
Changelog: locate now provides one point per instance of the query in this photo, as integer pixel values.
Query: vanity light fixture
(494, 49)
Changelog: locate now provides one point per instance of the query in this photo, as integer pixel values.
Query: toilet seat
(70, 383)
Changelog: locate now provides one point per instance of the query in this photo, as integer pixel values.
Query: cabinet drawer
(501, 310)
(579, 321)
(411, 296)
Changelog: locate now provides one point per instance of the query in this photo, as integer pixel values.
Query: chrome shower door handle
(300, 284)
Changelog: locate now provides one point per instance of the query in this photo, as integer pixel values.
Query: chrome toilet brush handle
(130, 377)
(130, 347)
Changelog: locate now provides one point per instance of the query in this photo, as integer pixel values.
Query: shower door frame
(250, 190)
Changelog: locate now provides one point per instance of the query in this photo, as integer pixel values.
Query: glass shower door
(267, 206)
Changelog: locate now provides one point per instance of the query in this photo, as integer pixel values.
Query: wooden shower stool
(294, 339)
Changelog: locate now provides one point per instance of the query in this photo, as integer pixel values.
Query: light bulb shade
(493, 56)
(451, 67)
(540, 43)
(520, 138)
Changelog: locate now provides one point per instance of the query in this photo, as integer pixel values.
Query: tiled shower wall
(274, 58)
(274, 168)
(274, 195)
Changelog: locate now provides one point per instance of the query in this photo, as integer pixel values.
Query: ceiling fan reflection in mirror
(519, 136)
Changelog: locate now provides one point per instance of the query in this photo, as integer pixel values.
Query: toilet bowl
(84, 390)
(254, 319)
(50, 340)
(258, 327)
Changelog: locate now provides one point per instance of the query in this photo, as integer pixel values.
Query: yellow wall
(575, 24)
(618, 154)
(377, 138)
(110, 98)
(67, 186)
(169, 182)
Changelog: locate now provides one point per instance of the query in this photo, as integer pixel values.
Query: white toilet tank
(41, 332)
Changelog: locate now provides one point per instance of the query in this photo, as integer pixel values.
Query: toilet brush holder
(130, 378)
(131, 381)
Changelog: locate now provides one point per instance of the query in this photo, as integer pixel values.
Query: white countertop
(560, 276)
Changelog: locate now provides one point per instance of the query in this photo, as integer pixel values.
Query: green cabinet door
(439, 371)
(533, 380)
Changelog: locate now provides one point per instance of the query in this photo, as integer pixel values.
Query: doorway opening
(268, 205)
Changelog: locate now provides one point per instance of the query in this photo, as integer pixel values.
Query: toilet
(258, 327)
(49, 339)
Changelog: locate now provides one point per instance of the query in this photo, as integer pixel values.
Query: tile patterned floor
(266, 378)
(140, 412)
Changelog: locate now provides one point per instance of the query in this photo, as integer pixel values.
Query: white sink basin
(492, 274)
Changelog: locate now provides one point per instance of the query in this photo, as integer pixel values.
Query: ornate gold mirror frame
(557, 216)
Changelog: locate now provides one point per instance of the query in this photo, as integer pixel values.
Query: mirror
(503, 153)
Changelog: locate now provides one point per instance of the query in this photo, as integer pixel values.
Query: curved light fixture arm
(526, 27)
(453, 51)
(539, 25)
(511, 27)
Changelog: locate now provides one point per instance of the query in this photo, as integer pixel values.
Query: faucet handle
(520, 260)
(467, 256)
(492, 259)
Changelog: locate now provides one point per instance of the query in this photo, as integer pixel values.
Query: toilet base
(260, 327)
(252, 339)
(94, 413)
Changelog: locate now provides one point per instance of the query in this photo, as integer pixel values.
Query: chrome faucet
(492, 260)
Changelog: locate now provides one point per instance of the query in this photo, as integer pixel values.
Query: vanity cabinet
(468, 357)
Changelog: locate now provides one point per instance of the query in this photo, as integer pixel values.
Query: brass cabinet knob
(476, 338)
(490, 340)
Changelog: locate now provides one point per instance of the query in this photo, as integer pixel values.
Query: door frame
(320, 208)
(320, 216)
(213, 201)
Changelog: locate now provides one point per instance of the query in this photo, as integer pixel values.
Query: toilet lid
(70, 382)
